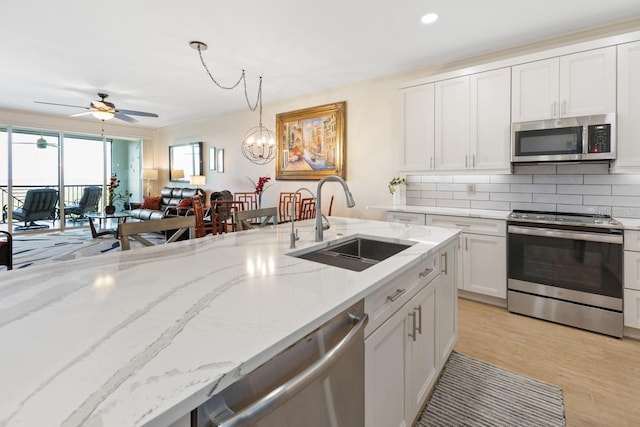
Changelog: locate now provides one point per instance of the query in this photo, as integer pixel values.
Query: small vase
(109, 209)
(259, 200)
(400, 195)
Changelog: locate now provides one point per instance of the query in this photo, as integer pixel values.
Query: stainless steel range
(566, 268)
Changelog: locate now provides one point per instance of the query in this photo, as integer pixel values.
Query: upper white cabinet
(416, 118)
(580, 84)
(472, 121)
(628, 105)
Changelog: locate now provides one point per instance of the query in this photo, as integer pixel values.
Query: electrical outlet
(471, 188)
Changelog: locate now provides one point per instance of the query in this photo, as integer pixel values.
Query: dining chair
(256, 218)
(284, 207)
(203, 227)
(307, 208)
(221, 212)
(6, 249)
(249, 199)
(177, 225)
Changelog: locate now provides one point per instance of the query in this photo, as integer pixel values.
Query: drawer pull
(427, 271)
(414, 327)
(462, 225)
(419, 310)
(397, 294)
(445, 270)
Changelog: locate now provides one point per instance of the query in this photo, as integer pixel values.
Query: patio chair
(87, 203)
(38, 204)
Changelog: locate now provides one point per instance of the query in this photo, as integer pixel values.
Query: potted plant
(113, 196)
(397, 188)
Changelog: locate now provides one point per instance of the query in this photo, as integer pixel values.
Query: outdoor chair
(6, 249)
(87, 203)
(38, 204)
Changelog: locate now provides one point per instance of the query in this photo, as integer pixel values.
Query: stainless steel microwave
(565, 139)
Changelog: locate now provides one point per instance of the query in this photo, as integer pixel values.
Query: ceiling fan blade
(61, 105)
(125, 118)
(137, 113)
(84, 113)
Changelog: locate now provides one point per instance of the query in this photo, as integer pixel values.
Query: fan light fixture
(103, 115)
(258, 144)
(41, 143)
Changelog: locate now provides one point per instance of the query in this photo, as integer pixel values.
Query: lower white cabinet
(405, 354)
(483, 253)
(632, 308)
(632, 279)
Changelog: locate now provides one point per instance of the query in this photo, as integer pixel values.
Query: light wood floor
(600, 375)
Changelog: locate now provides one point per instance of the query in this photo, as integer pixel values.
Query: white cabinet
(416, 118)
(628, 105)
(413, 325)
(406, 217)
(632, 279)
(483, 253)
(473, 121)
(580, 84)
(452, 124)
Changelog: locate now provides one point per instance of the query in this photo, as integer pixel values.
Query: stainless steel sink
(355, 254)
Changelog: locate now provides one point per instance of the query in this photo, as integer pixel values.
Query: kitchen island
(144, 336)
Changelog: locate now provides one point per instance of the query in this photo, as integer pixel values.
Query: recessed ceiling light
(429, 18)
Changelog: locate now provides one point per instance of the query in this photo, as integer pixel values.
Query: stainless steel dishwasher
(318, 381)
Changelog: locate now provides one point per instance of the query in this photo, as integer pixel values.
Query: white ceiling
(138, 51)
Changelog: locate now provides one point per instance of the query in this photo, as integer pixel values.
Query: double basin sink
(356, 254)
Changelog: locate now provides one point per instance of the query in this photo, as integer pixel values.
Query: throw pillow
(152, 203)
(184, 203)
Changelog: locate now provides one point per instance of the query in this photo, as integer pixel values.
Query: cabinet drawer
(406, 217)
(631, 240)
(492, 227)
(632, 308)
(381, 304)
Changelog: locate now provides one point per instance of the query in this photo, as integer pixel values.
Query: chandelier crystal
(259, 143)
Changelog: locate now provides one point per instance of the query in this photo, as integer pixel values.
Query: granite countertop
(144, 336)
(474, 213)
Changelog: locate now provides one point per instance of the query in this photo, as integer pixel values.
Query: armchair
(6, 249)
(38, 204)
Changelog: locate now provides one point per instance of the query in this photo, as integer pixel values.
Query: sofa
(171, 202)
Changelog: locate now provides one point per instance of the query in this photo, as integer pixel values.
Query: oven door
(582, 261)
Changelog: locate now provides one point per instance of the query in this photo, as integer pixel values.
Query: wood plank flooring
(600, 375)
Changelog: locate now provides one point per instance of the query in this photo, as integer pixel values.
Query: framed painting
(311, 142)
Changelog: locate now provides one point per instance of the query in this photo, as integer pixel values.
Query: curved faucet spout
(350, 202)
(294, 233)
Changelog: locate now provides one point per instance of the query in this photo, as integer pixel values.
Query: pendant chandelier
(258, 143)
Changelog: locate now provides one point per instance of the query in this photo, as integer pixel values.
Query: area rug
(64, 245)
(474, 393)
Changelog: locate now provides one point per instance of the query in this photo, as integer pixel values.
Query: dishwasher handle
(297, 383)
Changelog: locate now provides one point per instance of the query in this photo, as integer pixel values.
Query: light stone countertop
(474, 213)
(144, 336)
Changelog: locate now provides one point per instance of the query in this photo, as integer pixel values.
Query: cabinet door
(632, 308)
(632, 270)
(446, 305)
(421, 370)
(416, 127)
(535, 90)
(490, 115)
(485, 265)
(588, 83)
(628, 105)
(452, 124)
(384, 373)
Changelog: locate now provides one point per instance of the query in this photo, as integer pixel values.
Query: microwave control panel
(599, 138)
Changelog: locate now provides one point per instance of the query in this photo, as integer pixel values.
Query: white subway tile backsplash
(533, 188)
(584, 168)
(558, 198)
(565, 188)
(464, 204)
(482, 204)
(597, 190)
(557, 179)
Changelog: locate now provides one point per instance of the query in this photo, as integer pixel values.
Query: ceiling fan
(104, 110)
(40, 143)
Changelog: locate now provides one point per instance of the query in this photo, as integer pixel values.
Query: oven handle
(563, 234)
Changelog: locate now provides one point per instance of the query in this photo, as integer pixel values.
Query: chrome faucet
(320, 227)
(294, 233)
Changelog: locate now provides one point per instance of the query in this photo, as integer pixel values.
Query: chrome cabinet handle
(268, 403)
(553, 109)
(412, 334)
(445, 270)
(465, 161)
(466, 243)
(430, 162)
(462, 225)
(473, 160)
(397, 294)
(427, 271)
(564, 107)
(419, 309)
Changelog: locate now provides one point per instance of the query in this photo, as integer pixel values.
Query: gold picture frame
(311, 142)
